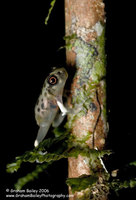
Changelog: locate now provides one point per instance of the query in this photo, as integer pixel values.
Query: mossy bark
(86, 19)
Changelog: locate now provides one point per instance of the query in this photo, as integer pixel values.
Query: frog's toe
(36, 143)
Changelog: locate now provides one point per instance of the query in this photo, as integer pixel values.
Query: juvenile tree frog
(49, 102)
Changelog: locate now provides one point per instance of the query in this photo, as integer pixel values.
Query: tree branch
(86, 19)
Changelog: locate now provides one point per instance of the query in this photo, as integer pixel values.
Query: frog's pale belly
(49, 102)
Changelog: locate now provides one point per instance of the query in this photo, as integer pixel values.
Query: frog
(50, 102)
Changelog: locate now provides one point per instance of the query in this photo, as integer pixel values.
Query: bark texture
(86, 19)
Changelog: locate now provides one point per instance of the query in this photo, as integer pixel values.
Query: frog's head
(55, 82)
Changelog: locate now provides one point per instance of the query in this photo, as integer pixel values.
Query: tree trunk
(85, 24)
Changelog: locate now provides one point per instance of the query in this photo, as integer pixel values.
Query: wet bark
(86, 20)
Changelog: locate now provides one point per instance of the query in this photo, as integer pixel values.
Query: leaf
(13, 167)
(117, 185)
(133, 163)
(81, 183)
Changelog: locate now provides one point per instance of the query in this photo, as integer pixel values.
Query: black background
(29, 50)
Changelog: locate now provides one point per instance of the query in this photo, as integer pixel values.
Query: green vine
(46, 156)
(64, 146)
(50, 10)
(31, 176)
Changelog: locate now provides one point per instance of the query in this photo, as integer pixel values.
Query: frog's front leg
(58, 120)
(61, 105)
(62, 108)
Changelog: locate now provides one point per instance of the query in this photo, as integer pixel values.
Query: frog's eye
(52, 80)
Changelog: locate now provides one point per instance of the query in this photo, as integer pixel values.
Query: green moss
(104, 108)
(84, 138)
(73, 117)
(69, 40)
(104, 112)
(98, 71)
(76, 141)
(87, 152)
(85, 55)
(90, 58)
(101, 47)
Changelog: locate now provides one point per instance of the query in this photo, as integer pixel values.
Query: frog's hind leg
(42, 132)
(58, 120)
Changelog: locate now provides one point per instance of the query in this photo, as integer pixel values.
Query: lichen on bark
(88, 89)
